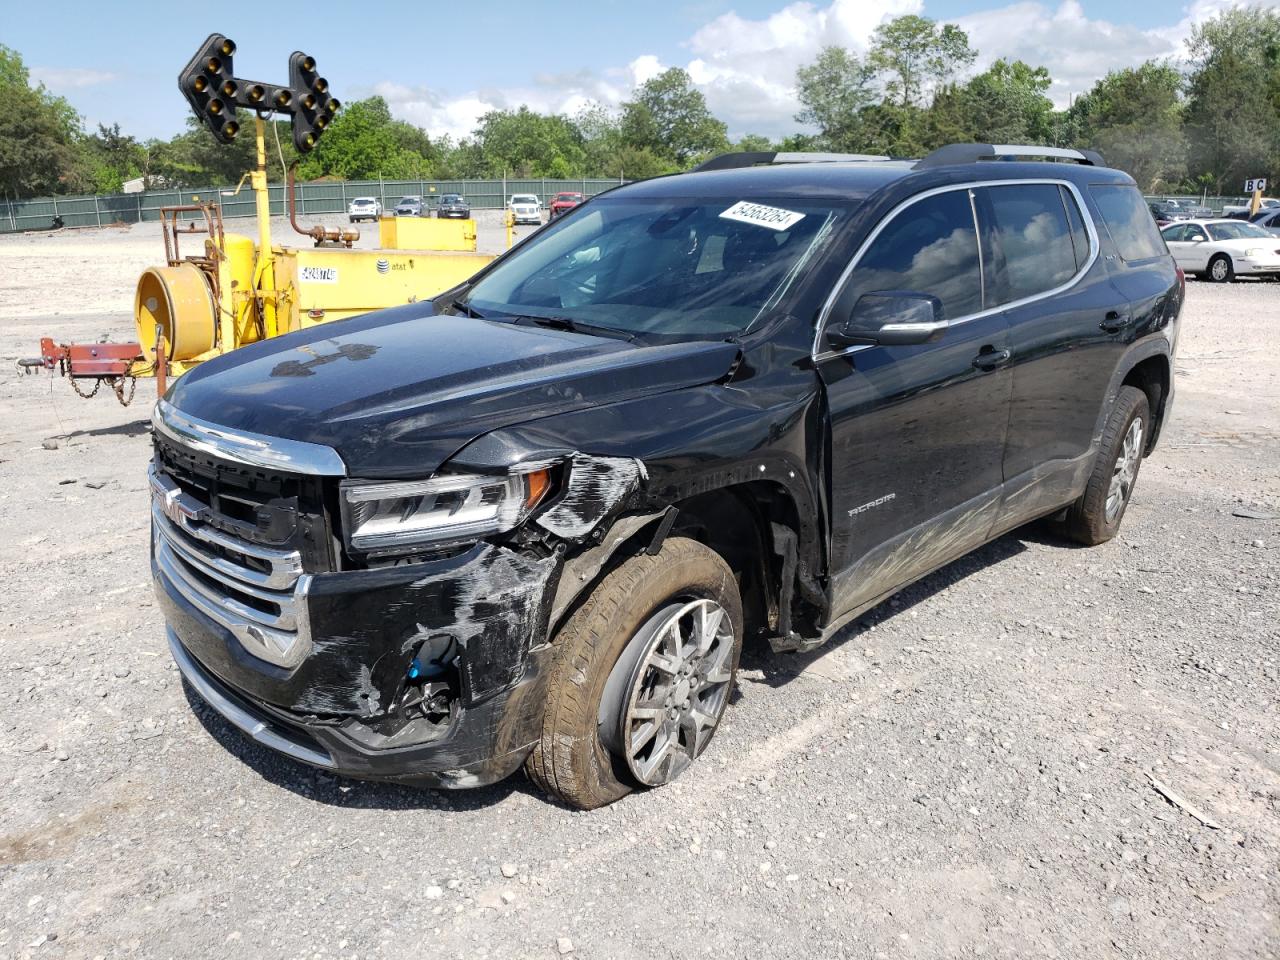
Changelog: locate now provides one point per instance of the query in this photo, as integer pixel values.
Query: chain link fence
(333, 197)
(312, 198)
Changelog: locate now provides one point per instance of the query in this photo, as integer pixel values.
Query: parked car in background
(453, 206)
(1167, 211)
(563, 203)
(1221, 250)
(412, 207)
(1268, 220)
(364, 208)
(1233, 210)
(526, 208)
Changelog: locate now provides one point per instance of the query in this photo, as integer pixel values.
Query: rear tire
(572, 760)
(1095, 518)
(1221, 270)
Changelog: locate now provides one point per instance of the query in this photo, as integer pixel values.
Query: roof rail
(974, 152)
(735, 161)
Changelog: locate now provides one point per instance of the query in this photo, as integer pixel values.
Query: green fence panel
(313, 199)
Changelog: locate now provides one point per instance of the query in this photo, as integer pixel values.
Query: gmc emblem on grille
(173, 503)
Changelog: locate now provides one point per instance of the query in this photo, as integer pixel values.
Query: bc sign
(1259, 184)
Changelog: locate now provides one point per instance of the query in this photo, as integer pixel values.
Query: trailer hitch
(112, 362)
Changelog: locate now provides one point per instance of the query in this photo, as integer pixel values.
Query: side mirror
(890, 318)
(1199, 238)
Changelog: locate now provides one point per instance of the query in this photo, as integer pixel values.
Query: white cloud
(457, 116)
(644, 68)
(746, 67)
(1076, 50)
(60, 79)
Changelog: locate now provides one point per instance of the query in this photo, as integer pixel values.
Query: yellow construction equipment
(235, 291)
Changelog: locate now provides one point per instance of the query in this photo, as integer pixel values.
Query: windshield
(524, 198)
(569, 196)
(408, 201)
(361, 202)
(663, 267)
(1236, 230)
(451, 198)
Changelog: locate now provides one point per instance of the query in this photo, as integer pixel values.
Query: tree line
(1203, 125)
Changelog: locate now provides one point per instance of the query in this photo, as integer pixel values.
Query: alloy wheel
(1125, 470)
(678, 691)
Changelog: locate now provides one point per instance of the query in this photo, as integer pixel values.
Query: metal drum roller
(178, 299)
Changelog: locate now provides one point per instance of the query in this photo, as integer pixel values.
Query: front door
(917, 432)
(1189, 245)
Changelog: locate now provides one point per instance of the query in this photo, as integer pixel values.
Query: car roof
(855, 180)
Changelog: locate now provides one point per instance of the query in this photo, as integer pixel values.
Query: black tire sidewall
(1087, 518)
(576, 764)
(1230, 274)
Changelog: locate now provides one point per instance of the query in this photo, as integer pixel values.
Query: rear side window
(1173, 234)
(930, 247)
(1033, 235)
(1128, 221)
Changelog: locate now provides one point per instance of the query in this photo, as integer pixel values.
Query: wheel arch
(1152, 375)
(1147, 365)
(754, 525)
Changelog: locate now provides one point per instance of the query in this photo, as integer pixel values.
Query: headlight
(400, 517)
(1254, 252)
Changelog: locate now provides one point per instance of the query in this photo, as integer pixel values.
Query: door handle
(1114, 321)
(989, 358)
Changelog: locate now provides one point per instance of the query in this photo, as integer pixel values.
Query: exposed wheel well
(1151, 376)
(738, 523)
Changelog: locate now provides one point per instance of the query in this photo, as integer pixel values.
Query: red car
(564, 202)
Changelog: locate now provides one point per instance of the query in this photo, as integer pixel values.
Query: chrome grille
(256, 592)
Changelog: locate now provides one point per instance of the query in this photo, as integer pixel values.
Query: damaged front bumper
(348, 705)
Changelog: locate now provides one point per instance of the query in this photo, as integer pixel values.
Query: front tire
(1095, 518)
(1221, 270)
(642, 674)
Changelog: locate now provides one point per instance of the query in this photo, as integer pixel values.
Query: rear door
(1063, 313)
(917, 432)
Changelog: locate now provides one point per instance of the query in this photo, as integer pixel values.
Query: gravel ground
(965, 772)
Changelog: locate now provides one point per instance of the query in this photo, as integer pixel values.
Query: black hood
(398, 391)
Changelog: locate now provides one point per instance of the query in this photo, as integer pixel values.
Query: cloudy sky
(442, 67)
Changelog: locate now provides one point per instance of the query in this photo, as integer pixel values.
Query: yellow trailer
(236, 290)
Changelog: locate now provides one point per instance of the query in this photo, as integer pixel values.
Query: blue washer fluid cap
(415, 669)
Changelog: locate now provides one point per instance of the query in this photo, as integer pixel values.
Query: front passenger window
(930, 247)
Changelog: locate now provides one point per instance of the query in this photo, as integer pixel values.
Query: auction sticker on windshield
(775, 218)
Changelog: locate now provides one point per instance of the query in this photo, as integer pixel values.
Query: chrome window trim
(1094, 249)
(244, 446)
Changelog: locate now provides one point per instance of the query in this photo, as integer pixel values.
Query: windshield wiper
(465, 309)
(577, 326)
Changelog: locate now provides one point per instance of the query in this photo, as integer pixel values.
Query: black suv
(453, 206)
(533, 521)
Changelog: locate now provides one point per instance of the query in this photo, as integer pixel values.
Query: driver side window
(930, 247)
